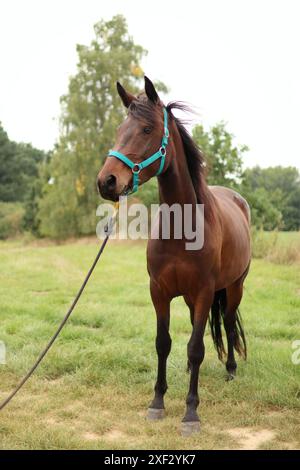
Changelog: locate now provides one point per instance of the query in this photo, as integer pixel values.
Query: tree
(91, 112)
(223, 157)
(8, 167)
(280, 187)
(264, 213)
(31, 220)
(19, 168)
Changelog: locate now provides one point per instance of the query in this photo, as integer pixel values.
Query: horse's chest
(175, 274)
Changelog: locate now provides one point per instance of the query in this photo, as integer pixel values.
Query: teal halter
(137, 167)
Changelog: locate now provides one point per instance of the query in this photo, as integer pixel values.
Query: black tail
(217, 314)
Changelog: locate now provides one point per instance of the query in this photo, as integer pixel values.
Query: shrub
(288, 254)
(277, 247)
(263, 242)
(11, 219)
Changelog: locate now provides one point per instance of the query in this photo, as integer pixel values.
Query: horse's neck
(175, 185)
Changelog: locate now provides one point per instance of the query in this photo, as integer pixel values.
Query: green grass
(92, 390)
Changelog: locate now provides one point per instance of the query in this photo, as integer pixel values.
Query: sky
(234, 60)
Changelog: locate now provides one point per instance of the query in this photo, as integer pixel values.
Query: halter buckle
(133, 169)
(163, 151)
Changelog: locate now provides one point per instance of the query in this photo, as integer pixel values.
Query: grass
(278, 247)
(92, 390)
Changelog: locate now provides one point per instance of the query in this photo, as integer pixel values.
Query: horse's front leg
(163, 347)
(196, 351)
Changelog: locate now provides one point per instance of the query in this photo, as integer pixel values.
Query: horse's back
(222, 193)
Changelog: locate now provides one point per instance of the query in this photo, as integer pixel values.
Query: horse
(211, 278)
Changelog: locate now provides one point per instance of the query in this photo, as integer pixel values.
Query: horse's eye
(147, 130)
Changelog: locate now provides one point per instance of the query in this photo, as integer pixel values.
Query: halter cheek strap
(137, 167)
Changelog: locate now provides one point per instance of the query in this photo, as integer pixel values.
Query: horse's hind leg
(233, 327)
(156, 409)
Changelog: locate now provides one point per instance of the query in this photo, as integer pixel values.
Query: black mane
(194, 156)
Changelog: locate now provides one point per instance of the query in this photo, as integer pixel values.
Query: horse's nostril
(111, 182)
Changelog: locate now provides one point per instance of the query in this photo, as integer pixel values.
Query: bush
(263, 243)
(11, 219)
(288, 254)
(277, 247)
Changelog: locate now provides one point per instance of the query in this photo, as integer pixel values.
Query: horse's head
(140, 149)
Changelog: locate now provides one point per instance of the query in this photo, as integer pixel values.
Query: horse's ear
(150, 90)
(127, 98)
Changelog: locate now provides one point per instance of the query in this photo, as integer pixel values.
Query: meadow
(93, 389)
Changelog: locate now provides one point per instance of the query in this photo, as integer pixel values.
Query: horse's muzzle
(107, 187)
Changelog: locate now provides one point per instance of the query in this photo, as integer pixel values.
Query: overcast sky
(236, 60)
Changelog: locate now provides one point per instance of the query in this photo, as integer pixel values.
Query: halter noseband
(137, 167)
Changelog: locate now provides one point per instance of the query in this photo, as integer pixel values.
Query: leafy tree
(8, 167)
(264, 213)
(91, 112)
(31, 220)
(280, 187)
(19, 168)
(223, 157)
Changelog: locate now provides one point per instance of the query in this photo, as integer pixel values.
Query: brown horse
(210, 278)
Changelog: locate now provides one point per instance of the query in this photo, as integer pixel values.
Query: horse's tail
(218, 309)
(215, 320)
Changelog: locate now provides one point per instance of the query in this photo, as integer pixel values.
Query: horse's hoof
(189, 427)
(156, 413)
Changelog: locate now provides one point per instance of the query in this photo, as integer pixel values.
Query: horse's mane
(142, 108)
(194, 156)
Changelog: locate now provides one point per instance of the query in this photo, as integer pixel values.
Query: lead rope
(108, 231)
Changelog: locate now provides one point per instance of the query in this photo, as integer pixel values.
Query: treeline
(20, 166)
(273, 193)
(54, 194)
